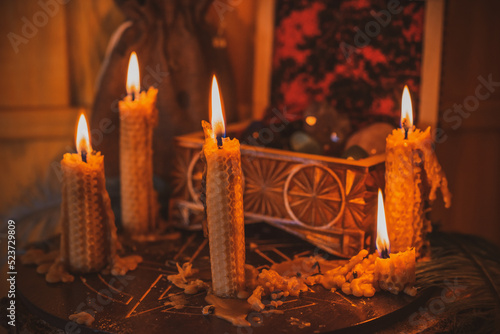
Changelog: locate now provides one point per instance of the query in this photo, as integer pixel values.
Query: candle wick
(84, 156)
(405, 127)
(384, 253)
(316, 264)
(134, 93)
(219, 142)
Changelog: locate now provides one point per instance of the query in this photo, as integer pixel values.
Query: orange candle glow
(133, 77)
(382, 241)
(82, 141)
(217, 111)
(406, 112)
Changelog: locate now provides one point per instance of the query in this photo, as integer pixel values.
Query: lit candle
(406, 113)
(138, 118)
(224, 202)
(382, 240)
(88, 238)
(392, 272)
(412, 175)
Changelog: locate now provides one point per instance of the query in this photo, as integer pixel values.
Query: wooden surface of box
(330, 202)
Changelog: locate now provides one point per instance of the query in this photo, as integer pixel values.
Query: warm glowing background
(46, 83)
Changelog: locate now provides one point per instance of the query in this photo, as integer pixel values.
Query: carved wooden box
(329, 202)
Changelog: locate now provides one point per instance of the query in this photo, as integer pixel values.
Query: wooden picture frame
(431, 60)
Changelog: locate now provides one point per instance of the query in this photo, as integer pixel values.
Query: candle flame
(406, 110)
(133, 78)
(82, 136)
(382, 241)
(217, 110)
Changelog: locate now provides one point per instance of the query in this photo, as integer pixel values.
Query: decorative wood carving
(327, 201)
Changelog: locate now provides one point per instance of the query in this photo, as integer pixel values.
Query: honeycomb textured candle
(138, 198)
(412, 177)
(88, 238)
(397, 273)
(224, 208)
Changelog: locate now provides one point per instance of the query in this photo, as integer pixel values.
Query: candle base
(397, 273)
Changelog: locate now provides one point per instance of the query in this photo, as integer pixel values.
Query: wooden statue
(175, 52)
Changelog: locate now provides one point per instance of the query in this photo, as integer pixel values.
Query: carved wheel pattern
(314, 196)
(179, 175)
(195, 175)
(356, 191)
(264, 184)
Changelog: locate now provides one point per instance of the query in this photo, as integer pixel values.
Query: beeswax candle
(88, 239)
(224, 203)
(138, 118)
(412, 177)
